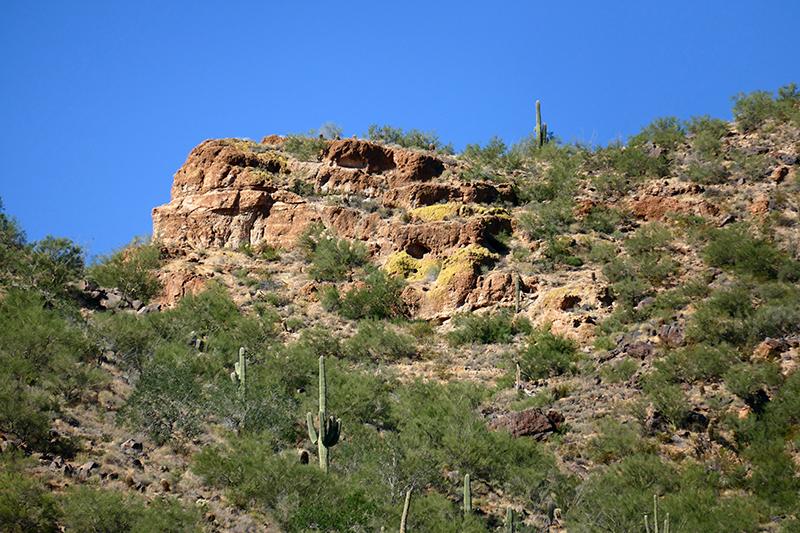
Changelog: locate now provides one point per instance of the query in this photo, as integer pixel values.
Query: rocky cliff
(407, 207)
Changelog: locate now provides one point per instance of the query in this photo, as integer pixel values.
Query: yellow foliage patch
(402, 264)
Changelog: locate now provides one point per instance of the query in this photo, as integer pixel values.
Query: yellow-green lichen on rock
(402, 264)
(435, 213)
(464, 260)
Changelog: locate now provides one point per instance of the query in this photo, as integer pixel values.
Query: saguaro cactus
(329, 427)
(239, 375)
(509, 520)
(541, 129)
(404, 518)
(516, 294)
(655, 519)
(467, 496)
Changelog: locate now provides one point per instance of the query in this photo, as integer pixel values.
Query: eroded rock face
(230, 192)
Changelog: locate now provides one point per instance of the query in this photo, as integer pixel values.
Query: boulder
(529, 422)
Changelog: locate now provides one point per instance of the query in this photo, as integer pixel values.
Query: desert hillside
(350, 334)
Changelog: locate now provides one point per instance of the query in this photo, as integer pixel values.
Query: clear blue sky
(102, 100)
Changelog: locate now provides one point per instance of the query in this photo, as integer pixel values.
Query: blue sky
(102, 101)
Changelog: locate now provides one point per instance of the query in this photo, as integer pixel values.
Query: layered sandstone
(230, 192)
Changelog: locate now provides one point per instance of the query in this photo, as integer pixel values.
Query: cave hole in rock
(417, 250)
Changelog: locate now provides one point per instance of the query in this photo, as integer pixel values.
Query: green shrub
(708, 133)
(620, 371)
(699, 363)
(100, 511)
(499, 327)
(614, 441)
(414, 138)
(305, 146)
(723, 318)
(551, 219)
(26, 506)
(353, 513)
(332, 258)
(664, 132)
(736, 249)
(649, 263)
(496, 155)
(708, 173)
(379, 299)
(44, 359)
(752, 110)
(168, 404)
(746, 380)
(547, 355)
(603, 219)
(130, 269)
(376, 341)
(666, 396)
(558, 181)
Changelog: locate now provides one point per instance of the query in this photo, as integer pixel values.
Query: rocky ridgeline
(405, 206)
(418, 219)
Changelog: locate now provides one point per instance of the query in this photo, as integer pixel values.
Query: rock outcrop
(231, 192)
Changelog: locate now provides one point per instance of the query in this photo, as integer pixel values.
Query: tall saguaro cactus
(467, 496)
(541, 129)
(239, 375)
(329, 427)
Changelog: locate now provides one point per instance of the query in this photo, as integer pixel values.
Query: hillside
(579, 329)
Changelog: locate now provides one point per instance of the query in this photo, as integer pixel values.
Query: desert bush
(620, 371)
(254, 477)
(716, 127)
(52, 263)
(353, 513)
(44, 360)
(649, 263)
(378, 299)
(751, 381)
(266, 409)
(305, 146)
(551, 219)
(723, 318)
(666, 396)
(557, 181)
(495, 156)
(168, 404)
(547, 355)
(664, 132)
(736, 249)
(708, 173)
(699, 362)
(131, 269)
(751, 111)
(615, 440)
(87, 509)
(499, 327)
(603, 219)
(332, 258)
(618, 498)
(413, 138)
(708, 133)
(12, 241)
(439, 425)
(376, 341)
(25, 505)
